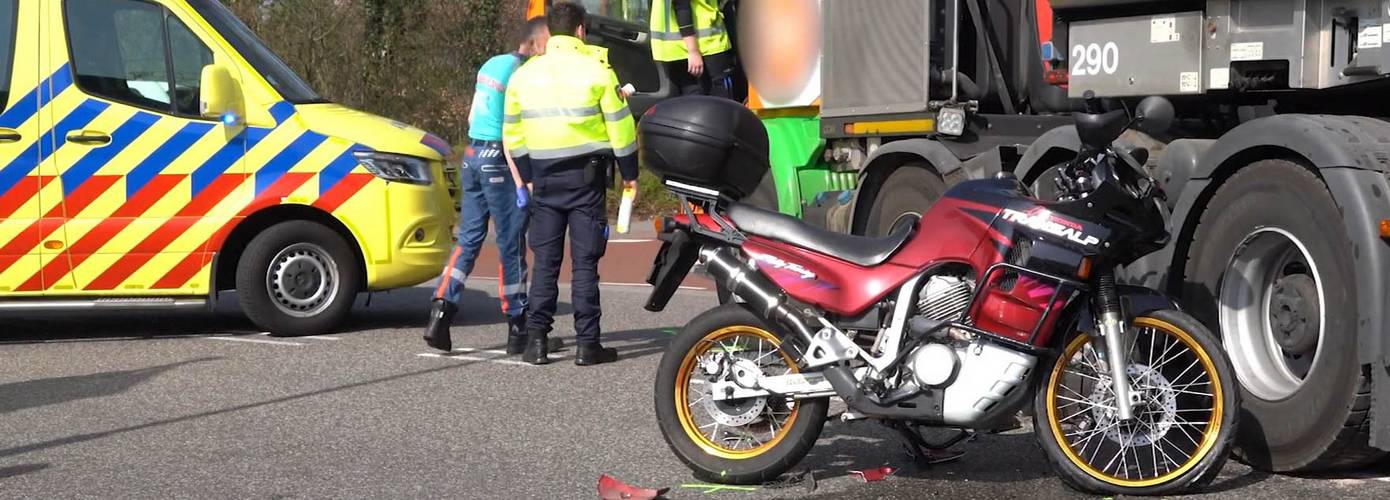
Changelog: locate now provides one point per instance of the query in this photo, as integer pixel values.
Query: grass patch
(653, 199)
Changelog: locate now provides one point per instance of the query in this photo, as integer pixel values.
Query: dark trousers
(575, 200)
(717, 79)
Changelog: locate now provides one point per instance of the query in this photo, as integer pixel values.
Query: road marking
(473, 358)
(310, 337)
(481, 351)
(631, 241)
(644, 285)
(254, 341)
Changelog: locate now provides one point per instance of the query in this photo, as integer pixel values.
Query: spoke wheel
(737, 428)
(1179, 414)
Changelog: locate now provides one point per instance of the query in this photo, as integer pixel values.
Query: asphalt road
(205, 406)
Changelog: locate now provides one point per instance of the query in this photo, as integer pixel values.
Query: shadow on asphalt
(19, 470)
(92, 436)
(50, 391)
(406, 308)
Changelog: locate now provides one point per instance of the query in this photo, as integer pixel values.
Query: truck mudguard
(933, 152)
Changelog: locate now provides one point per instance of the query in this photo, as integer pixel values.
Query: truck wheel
(297, 278)
(909, 191)
(1269, 267)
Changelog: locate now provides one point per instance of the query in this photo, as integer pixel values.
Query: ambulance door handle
(9, 135)
(89, 137)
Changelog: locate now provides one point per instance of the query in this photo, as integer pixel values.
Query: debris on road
(609, 488)
(874, 475)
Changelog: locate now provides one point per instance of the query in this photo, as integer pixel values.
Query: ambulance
(155, 152)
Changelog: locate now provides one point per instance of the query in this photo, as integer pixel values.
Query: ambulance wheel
(297, 278)
(909, 191)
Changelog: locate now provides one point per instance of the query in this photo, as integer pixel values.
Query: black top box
(704, 141)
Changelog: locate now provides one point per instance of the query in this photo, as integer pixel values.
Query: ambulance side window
(634, 11)
(121, 51)
(8, 27)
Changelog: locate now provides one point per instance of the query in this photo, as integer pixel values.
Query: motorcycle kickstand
(926, 453)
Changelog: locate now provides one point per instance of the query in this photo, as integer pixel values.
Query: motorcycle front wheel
(1184, 418)
(732, 441)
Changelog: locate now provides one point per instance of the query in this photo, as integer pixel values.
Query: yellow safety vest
(565, 104)
(667, 42)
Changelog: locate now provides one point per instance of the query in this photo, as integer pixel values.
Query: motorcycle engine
(944, 297)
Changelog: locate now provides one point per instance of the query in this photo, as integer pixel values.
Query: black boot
(589, 355)
(537, 349)
(516, 334)
(437, 331)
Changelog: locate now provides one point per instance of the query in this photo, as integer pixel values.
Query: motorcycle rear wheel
(740, 441)
(1183, 426)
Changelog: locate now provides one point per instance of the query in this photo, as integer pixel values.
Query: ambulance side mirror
(221, 97)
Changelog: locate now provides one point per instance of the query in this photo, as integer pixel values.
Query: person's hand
(633, 186)
(695, 64)
(523, 196)
(626, 91)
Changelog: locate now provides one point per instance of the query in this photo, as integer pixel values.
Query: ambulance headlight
(396, 168)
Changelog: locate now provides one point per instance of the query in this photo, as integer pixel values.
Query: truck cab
(155, 152)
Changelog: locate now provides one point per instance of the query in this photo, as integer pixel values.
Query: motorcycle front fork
(1111, 326)
(1110, 323)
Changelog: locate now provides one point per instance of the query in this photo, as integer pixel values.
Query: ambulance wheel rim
(302, 280)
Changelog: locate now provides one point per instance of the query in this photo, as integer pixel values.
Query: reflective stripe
(570, 152)
(511, 119)
(457, 275)
(617, 115)
(630, 149)
(514, 289)
(676, 36)
(583, 112)
(519, 151)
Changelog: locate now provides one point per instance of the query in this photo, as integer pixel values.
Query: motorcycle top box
(705, 141)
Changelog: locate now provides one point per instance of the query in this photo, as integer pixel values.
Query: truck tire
(1271, 250)
(297, 278)
(909, 190)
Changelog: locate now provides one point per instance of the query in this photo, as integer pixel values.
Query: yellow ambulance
(155, 152)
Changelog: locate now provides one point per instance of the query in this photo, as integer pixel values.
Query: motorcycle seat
(860, 250)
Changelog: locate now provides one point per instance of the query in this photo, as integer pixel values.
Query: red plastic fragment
(874, 475)
(610, 488)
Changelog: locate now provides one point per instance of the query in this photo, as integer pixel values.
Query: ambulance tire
(298, 278)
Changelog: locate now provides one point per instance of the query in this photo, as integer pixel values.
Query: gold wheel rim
(683, 378)
(1209, 433)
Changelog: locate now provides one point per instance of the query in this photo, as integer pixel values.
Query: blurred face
(536, 45)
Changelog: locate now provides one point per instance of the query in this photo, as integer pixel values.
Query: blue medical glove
(523, 197)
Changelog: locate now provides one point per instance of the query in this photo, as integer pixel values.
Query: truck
(154, 153)
(1276, 173)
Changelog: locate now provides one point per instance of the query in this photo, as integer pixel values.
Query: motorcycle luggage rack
(1062, 284)
(709, 201)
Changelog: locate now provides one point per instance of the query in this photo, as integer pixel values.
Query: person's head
(566, 19)
(533, 37)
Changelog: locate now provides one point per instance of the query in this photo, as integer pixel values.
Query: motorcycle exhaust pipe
(755, 288)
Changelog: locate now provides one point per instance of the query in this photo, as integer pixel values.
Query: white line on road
(630, 241)
(472, 358)
(644, 285)
(310, 337)
(254, 341)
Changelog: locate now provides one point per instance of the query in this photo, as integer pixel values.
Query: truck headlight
(396, 168)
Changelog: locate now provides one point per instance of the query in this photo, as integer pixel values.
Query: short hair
(531, 30)
(565, 18)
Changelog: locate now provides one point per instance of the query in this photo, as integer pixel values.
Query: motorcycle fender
(1137, 301)
(678, 254)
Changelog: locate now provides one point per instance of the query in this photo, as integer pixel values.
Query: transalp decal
(783, 265)
(1043, 220)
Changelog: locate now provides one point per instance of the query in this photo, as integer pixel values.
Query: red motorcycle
(991, 301)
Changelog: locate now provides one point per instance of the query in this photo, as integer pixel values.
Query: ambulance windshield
(290, 86)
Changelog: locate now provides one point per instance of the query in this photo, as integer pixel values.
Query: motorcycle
(990, 301)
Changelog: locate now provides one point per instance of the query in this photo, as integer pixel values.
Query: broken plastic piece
(613, 489)
(874, 475)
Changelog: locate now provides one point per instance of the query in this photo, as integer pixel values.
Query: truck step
(104, 304)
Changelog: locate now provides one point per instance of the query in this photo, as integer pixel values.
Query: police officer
(489, 193)
(565, 123)
(690, 40)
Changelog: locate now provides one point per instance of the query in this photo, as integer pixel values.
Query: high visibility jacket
(667, 32)
(565, 105)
